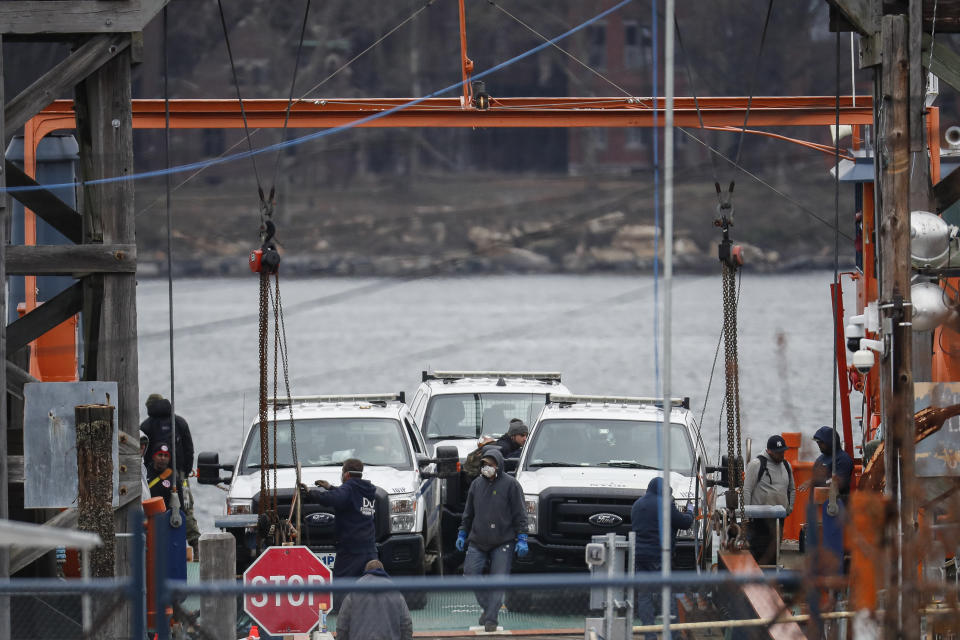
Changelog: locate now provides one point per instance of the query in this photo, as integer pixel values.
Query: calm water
(356, 336)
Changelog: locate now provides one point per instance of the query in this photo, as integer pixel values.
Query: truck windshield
(329, 441)
(469, 415)
(607, 443)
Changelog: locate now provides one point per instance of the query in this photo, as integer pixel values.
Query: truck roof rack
(361, 397)
(542, 376)
(567, 399)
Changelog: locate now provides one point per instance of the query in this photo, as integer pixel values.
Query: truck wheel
(416, 600)
(433, 558)
(519, 601)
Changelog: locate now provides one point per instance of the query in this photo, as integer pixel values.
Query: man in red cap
(160, 477)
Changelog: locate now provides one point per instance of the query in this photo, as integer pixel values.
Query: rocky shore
(609, 247)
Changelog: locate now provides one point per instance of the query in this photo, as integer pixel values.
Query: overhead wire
(566, 53)
(286, 115)
(243, 111)
(175, 489)
(301, 98)
(332, 130)
(735, 163)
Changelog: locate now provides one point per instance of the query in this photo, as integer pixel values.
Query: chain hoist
(731, 259)
(265, 261)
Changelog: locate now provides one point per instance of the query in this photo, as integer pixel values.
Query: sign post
(286, 613)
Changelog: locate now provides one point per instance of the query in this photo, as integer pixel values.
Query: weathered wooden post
(95, 482)
(218, 561)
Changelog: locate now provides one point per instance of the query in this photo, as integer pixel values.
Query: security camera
(953, 137)
(854, 332)
(863, 360)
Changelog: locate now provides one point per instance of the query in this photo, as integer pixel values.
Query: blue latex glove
(521, 547)
(461, 540)
(692, 508)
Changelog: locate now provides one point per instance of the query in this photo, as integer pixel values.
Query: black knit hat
(517, 428)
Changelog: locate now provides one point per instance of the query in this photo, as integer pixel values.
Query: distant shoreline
(350, 265)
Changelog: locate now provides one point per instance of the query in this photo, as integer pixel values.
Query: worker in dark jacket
(494, 526)
(354, 505)
(645, 522)
(158, 428)
(374, 616)
(834, 464)
(511, 443)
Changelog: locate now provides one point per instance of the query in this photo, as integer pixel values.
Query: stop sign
(285, 613)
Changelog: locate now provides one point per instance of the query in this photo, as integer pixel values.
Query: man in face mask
(494, 526)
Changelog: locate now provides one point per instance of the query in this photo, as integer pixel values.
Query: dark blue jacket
(645, 521)
(354, 505)
(831, 441)
(508, 447)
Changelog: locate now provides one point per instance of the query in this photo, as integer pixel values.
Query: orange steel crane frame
(716, 113)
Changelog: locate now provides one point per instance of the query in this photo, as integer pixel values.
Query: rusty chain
(732, 401)
(264, 442)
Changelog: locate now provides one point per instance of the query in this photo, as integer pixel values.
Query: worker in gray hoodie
(374, 616)
(768, 480)
(494, 526)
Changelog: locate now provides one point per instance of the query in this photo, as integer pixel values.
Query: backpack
(763, 469)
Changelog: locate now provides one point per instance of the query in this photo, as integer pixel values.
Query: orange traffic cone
(254, 633)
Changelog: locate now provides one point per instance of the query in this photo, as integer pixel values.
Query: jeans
(498, 560)
(648, 598)
(762, 536)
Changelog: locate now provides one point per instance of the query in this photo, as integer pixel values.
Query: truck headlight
(403, 512)
(531, 503)
(239, 505)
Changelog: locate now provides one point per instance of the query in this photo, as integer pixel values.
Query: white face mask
(487, 471)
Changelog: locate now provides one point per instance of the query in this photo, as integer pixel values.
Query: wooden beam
(51, 85)
(81, 16)
(71, 259)
(945, 64)
(896, 377)
(947, 191)
(105, 136)
(16, 378)
(46, 316)
(51, 209)
(862, 15)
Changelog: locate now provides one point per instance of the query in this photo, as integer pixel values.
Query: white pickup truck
(377, 429)
(587, 460)
(455, 409)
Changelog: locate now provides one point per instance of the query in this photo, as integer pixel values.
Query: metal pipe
(87, 616)
(464, 60)
(138, 575)
(559, 581)
(608, 613)
(666, 532)
(751, 622)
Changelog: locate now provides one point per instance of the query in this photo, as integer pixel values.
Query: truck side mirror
(448, 462)
(208, 468)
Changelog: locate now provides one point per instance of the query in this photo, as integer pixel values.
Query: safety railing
(82, 608)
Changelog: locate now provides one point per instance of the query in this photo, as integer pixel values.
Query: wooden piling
(218, 561)
(95, 482)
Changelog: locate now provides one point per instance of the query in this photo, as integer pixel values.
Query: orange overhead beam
(503, 112)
